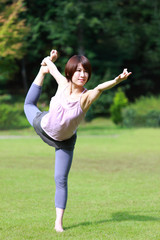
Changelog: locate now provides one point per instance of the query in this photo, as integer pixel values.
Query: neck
(75, 89)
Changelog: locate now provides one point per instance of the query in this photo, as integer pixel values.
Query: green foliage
(8, 69)
(145, 112)
(12, 30)
(119, 102)
(12, 39)
(12, 117)
(112, 34)
(11, 112)
(6, 98)
(100, 107)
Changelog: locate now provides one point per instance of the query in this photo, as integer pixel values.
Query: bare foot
(58, 227)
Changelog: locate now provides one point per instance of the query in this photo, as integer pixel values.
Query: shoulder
(62, 81)
(62, 85)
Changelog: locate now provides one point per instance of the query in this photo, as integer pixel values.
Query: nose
(82, 73)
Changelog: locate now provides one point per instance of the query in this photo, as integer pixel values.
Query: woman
(58, 126)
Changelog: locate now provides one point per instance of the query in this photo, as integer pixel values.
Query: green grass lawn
(114, 185)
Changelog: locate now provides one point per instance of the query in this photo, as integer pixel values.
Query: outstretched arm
(52, 67)
(95, 93)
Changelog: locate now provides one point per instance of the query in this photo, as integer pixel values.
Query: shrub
(119, 102)
(9, 116)
(145, 112)
(128, 117)
(12, 114)
(153, 119)
(5, 98)
(100, 107)
(12, 117)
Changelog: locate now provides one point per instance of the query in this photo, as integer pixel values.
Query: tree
(12, 32)
(112, 34)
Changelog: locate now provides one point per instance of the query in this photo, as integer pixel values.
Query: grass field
(114, 185)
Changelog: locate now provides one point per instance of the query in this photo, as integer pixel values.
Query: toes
(59, 229)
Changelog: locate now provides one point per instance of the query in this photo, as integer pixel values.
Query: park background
(113, 34)
(114, 181)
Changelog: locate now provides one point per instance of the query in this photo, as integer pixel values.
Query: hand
(53, 55)
(43, 63)
(123, 76)
(44, 70)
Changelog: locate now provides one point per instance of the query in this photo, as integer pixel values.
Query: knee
(60, 181)
(26, 107)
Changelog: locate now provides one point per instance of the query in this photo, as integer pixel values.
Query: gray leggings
(63, 158)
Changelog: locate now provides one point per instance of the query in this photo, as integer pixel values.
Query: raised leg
(30, 104)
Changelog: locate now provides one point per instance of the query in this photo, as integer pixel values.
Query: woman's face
(80, 76)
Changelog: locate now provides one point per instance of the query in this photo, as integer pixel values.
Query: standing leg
(63, 161)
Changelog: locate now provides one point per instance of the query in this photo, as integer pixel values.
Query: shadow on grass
(119, 217)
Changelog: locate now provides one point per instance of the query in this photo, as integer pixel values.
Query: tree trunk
(80, 40)
(80, 34)
(24, 76)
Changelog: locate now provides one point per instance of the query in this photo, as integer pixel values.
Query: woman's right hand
(44, 69)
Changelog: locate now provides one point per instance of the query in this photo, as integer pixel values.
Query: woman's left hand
(53, 57)
(123, 76)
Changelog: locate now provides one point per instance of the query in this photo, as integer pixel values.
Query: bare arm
(52, 67)
(94, 94)
(54, 71)
(44, 69)
(40, 76)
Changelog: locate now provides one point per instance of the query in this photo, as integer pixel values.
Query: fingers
(53, 52)
(43, 61)
(53, 55)
(126, 73)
